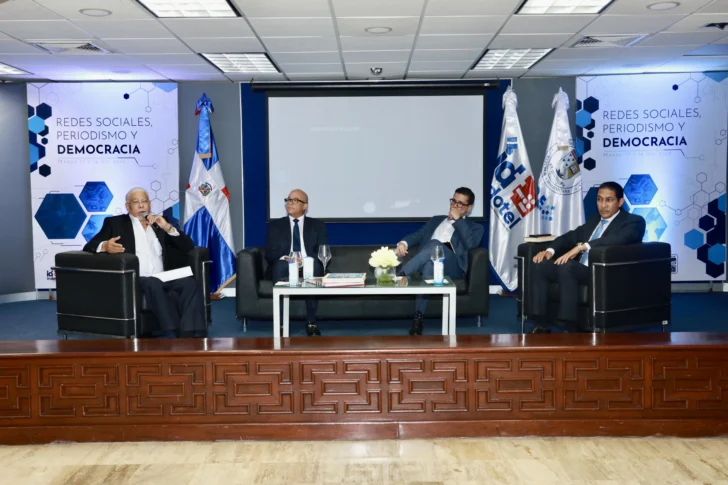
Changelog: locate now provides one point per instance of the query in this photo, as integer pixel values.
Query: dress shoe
(540, 329)
(418, 324)
(312, 329)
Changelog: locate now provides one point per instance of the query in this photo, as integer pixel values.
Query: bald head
(297, 203)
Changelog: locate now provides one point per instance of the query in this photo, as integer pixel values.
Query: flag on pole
(560, 202)
(512, 197)
(207, 203)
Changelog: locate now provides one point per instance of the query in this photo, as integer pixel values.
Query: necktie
(585, 257)
(296, 236)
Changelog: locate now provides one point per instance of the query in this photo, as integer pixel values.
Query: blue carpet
(691, 312)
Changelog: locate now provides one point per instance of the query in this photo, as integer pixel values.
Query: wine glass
(437, 253)
(324, 255)
(296, 257)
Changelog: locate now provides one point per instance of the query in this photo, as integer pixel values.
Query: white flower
(384, 258)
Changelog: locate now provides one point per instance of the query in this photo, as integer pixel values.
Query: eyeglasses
(294, 201)
(458, 203)
(139, 202)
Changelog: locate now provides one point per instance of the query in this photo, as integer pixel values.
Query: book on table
(535, 238)
(332, 280)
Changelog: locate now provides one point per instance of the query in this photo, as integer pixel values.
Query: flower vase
(384, 276)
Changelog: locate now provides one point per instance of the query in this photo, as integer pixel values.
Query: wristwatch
(579, 245)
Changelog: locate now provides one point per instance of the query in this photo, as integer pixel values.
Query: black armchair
(629, 286)
(99, 294)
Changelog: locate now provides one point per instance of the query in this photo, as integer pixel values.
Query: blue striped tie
(585, 257)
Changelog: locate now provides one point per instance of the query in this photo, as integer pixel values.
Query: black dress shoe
(539, 329)
(312, 329)
(418, 324)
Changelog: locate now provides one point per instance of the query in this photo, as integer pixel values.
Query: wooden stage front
(364, 388)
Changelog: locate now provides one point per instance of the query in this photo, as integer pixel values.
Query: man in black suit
(456, 233)
(179, 304)
(611, 226)
(296, 232)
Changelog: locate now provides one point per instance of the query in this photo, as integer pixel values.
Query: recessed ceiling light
(95, 12)
(378, 30)
(562, 7)
(242, 63)
(10, 70)
(663, 5)
(190, 8)
(504, 59)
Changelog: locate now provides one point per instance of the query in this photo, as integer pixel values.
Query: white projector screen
(375, 157)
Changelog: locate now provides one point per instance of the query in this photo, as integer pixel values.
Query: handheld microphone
(145, 216)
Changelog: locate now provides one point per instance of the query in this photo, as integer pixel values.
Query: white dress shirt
(300, 232)
(585, 243)
(443, 232)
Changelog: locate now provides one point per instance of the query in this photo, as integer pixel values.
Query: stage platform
(364, 388)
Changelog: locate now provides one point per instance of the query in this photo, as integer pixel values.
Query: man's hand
(160, 221)
(570, 255)
(542, 255)
(454, 215)
(401, 249)
(113, 247)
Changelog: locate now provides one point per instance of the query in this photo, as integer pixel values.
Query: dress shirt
(585, 243)
(443, 232)
(300, 232)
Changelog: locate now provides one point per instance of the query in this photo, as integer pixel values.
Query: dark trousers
(280, 273)
(179, 305)
(569, 276)
(422, 263)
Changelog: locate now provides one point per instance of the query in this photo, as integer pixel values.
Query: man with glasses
(179, 305)
(455, 233)
(296, 232)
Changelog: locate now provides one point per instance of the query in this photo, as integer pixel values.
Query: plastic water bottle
(307, 268)
(292, 272)
(439, 271)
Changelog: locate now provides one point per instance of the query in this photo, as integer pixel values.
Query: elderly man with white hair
(179, 304)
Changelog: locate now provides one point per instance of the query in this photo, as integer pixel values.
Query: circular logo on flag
(562, 167)
(205, 189)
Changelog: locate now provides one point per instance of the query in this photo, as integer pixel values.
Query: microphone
(145, 216)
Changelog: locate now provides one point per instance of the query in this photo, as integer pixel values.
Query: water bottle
(292, 272)
(307, 268)
(439, 271)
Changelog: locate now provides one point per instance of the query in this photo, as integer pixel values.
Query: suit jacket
(174, 248)
(278, 242)
(626, 228)
(468, 235)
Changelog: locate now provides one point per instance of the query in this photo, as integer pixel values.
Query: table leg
(453, 312)
(286, 307)
(276, 315)
(445, 313)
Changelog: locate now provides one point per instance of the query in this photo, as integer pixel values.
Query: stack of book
(340, 280)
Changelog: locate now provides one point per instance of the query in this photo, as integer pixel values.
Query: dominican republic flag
(512, 197)
(207, 203)
(560, 203)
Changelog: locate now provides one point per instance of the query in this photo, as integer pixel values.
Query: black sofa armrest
(630, 253)
(98, 261)
(478, 271)
(250, 272)
(199, 260)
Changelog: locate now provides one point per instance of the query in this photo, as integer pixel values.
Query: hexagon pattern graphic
(96, 196)
(60, 216)
(716, 254)
(694, 239)
(37, 116)
(709, 240)
(44, 170)
(93, 226)
(640, 189)
(655, 225)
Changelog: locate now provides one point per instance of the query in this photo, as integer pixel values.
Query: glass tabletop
(368, 283)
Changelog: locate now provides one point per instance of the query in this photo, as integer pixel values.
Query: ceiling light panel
(189, 8)
(545, 7)
(504, 59)
(242, 63)
(10, 70)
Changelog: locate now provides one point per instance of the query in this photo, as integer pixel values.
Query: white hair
(136, 189)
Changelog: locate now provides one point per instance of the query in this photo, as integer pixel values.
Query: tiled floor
(563, 461)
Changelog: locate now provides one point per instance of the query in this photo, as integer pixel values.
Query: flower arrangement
(384, 260)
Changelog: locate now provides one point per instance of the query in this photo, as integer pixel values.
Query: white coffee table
(285, 292)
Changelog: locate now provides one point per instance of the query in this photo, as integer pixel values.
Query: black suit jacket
(278, 242)
(626, 228)
(174, 248)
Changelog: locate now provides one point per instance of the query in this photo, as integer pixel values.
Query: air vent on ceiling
(71, 48)
(608, 41)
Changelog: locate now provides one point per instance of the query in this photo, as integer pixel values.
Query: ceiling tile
(724, 40)
(434, 74)
(446, 55)
(453, 41)
(389, 70)
(377, 56)
(283, 8)
(628, 66)
(667, 52)
(718, 6)
(26, 10)
(301, 57)
(42, 29)
(377, 43)
(526, 41)
(185, 28)
(173, 71)
(582, 65)
(300, 44)
(471, 7)
(173, 59)
(686, 38)
(294, 27)
(124, 29)
(462, 25)
(694, 64)
(550, 73)
(148, 46)
(218, 45)
(378, 8)
(486, 75)
(312, 68)
(587, 53)
(16, 47)
(354, 26)
(695, 23)
(631, 24)
(316, 77)
(639, 7)
(440, 66)
(260, 76)
(120, 10)
(546, 24)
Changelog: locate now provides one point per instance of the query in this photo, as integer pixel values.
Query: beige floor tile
(168, 474)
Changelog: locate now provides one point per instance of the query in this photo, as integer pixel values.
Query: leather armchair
(629, 286)
(100, 294)
(254, 294)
